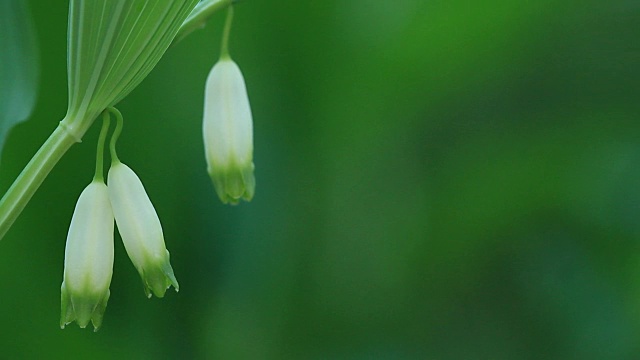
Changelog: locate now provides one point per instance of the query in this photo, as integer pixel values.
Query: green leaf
(113, 45)
(18, 65)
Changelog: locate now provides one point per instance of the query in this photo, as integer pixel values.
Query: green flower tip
(157, 277)
(82, 307)
(234, 183)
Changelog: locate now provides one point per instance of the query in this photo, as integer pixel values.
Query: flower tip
(234, 183)
(157, 279)
(153, 289)
(82, 308)
(172, 278)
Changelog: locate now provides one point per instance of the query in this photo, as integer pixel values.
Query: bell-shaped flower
(140, 230)
(228, 133)
(88, 260)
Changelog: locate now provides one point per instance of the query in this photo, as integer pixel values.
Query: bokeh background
(436, 180)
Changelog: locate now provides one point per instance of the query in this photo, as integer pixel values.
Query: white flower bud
(228, 133)
(140, 229)
(88, 260)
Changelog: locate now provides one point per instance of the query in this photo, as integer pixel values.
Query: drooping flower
(228, 133)
(140, 229)
(88, 261)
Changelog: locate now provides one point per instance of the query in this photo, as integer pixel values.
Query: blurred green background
(436, 180)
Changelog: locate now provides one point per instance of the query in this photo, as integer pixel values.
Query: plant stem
(106, 120)
(32, 176)
(224, 48)
(116, 134)
(199, 16)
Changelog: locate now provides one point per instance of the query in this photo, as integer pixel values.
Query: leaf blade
(19, 66)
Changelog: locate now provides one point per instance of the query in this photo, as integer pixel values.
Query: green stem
(32, 176)
(199, 16)
(116, 134)
(224, 48)
(106, 120)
